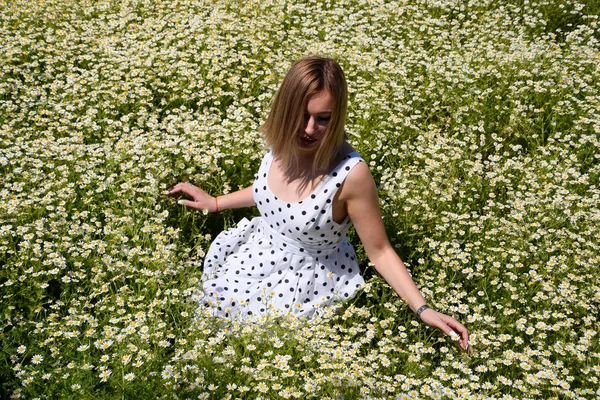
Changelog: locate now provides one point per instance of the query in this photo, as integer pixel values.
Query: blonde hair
(307, 77)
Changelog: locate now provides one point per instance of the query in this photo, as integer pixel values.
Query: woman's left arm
(359, 193)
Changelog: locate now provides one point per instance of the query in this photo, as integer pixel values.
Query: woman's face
(316, 118)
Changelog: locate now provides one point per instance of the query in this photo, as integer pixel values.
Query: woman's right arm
(203, 201)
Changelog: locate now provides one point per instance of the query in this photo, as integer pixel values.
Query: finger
(174, 189)
(461, 330)
(187, 203)
(442, 324)
(469, 349)
(180, 187)
(191, 204)
(447, 330)
(436, 320)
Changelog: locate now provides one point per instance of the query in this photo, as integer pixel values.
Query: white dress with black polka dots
(292, 259)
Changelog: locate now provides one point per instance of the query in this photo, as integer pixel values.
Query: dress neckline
(270, 162)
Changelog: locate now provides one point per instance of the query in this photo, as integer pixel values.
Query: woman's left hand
(448, 325)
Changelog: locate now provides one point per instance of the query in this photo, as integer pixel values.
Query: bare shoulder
(357, 182)
(359, 175)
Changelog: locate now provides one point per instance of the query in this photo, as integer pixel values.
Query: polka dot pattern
(292, 258)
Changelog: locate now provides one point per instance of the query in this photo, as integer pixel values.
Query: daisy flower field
(480, 121)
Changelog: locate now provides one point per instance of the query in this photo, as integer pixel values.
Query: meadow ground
(480, 121)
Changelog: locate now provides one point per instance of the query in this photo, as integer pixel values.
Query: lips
(305, 141)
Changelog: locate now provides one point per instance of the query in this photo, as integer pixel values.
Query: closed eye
(323, 121)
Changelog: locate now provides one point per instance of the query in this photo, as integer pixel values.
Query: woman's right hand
(201, 200)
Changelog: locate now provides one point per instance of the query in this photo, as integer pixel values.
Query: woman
(295, 257)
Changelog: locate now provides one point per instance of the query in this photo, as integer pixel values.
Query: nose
(310, 126)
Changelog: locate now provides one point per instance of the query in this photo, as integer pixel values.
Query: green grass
(479, 122)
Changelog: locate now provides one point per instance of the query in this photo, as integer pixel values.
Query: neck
(303, 170)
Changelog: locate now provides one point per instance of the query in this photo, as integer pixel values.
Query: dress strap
(336, 176)
(264, 166)
(340, 172)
